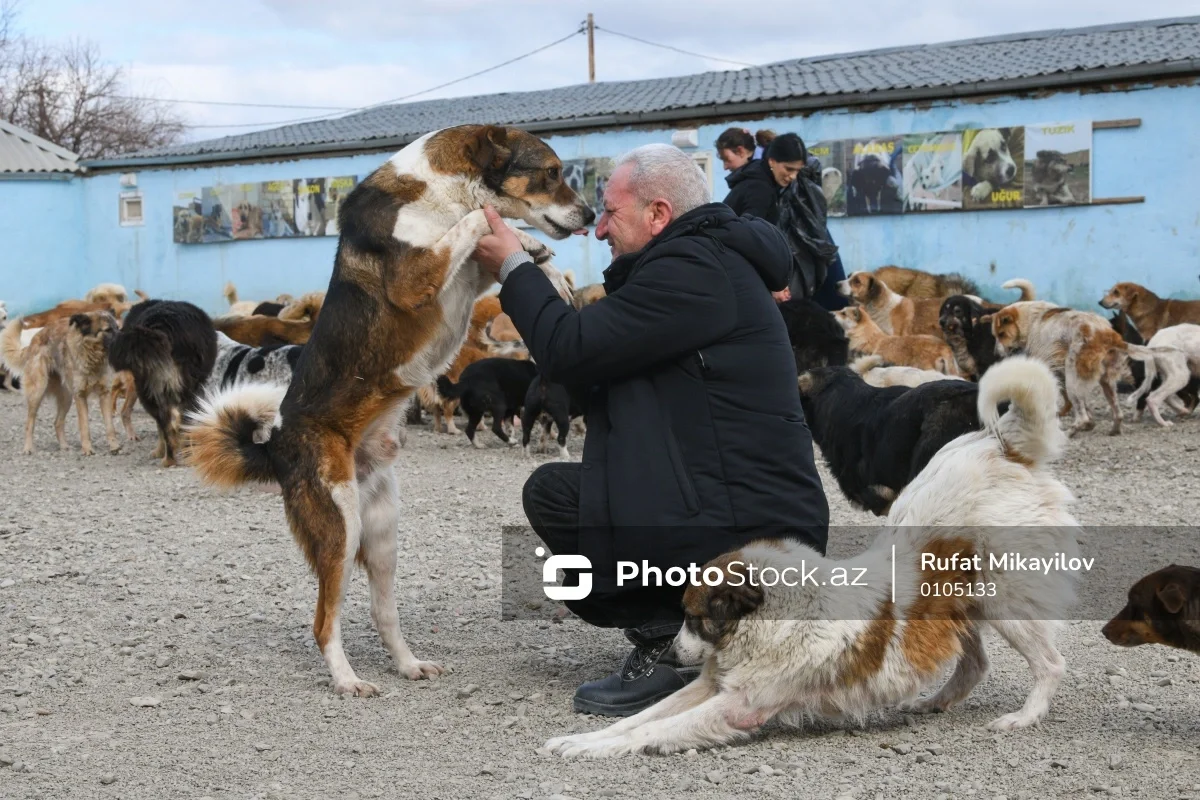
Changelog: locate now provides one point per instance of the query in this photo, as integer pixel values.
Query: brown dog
(892, 312)
(916, 283)
(259, 330)
(1163, 608)
(923, 352)
(1149, 312)
(396, 313)
(68, 357)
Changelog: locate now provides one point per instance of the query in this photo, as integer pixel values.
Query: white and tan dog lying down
(803, 651)
(877, 372)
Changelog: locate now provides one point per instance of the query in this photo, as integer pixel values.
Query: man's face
(626, 223)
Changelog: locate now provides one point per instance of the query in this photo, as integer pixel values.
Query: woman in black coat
(755, 190)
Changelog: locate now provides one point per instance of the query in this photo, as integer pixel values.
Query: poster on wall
(932, 172)
(276, 202)
(1058, 164)
(993, 168)
(308, 206)
(573, 172)
(874, 177)
(187, 217)
(245, 211)
(217, 223)
(596, 173)
(832, 155)
(336, 189)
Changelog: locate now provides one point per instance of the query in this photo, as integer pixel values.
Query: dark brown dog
(1149, 312)
(1163, 608)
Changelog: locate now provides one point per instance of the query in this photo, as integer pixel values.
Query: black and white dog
(495, 386)
(240, 363)
(556, 405)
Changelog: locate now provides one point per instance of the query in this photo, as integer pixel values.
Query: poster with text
(336, 189)
(309, 206)
(993, 168)
(276, 199)
(832, 155)
(244, 210)
(1058, 164)
(187, 217)
(217, 223)
(874, 176)
(932, 172)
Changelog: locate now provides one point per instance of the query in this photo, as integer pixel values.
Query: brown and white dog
(918, 283)
(1079, 345)
(894, 313)
(1149, 312)
(69, 358)
(395, 315)
(922, 352)
(814, 637)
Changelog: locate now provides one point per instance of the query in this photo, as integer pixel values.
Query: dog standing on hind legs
(396, 312)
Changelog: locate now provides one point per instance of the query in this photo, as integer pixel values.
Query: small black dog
(170, 347)
(495, 385)
(876, 440)
(1190, 394)
(1163, 608)
(967, 326)
(817, 338)
(268, 308)
(555, 404)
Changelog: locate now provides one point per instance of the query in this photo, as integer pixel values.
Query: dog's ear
(489, 149)
(986, 319)
(82, 322)
(1172, 597)
(729, 603)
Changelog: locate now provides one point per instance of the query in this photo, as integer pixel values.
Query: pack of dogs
(933, 408)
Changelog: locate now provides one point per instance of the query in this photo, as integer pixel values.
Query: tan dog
(1149, 312)
(68, 357)
(894, 313)
(305, 307)
(922, 352)
(917, 283)
(245, 308)
(589, 294)
(1079, 345)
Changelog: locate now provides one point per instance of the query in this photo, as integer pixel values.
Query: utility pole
(591, 32)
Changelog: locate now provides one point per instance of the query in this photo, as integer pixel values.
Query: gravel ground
(155, 642)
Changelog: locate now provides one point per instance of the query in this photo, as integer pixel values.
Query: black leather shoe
(650, 673)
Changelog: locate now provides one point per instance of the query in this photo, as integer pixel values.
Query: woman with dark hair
(779, 188)
(736, 147)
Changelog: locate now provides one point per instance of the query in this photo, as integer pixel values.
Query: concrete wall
(1072, 254)
(42, 255)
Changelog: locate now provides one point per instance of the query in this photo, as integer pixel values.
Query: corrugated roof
(21, 151)
(976, 66)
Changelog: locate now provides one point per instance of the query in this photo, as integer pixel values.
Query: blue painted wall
(1072, 254)
(42, 237)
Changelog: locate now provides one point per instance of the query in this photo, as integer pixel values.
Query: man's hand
(496, 246)
(782, 296)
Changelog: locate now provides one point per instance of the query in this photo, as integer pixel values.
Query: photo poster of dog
(187, 217)
(217, 221)
(277, 202)
(993, 168)
(1058, 164)
(933, 171)
(588, 177)
(874, 176)
(244, 209)
(831, 156)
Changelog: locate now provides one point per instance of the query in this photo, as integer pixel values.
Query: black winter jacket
(753, 191)
(696, 441)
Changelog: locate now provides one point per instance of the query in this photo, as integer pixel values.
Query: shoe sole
(623, 710)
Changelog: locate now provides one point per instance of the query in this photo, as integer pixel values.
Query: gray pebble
(714, 776)
(108, 778)
(148, 701)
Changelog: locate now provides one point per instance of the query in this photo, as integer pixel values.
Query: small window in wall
(131, 209)
(704, 162)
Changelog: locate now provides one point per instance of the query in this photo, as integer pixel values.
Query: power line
(402, 98)
(676, 49)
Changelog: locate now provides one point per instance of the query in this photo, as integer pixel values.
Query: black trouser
(551, 500)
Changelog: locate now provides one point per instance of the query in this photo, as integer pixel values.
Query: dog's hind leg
(971, 668)
(1034, 639)
(36, 385)
(499, 416)
(108, 403)
(379, 500)
(126, 384)
(85, 431)
(563, 423)
(1175, 377)
(690, 696)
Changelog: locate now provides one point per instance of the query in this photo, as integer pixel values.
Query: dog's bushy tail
(12, 354)
(1029, 430)
(1028, 292)
(228, 437)
(230, 292)
(448, 388)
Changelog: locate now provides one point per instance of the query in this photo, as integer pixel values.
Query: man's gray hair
(663, 171)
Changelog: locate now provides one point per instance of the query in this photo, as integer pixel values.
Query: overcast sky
(351, 53)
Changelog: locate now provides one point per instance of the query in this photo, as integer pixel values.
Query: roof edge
(1061, 80)
(37, 141)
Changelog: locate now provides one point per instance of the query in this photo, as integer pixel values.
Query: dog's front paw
(922, 706)
(420, 670)
(981, 191)
(356, 688)
(605, 748)
(1012, 722)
